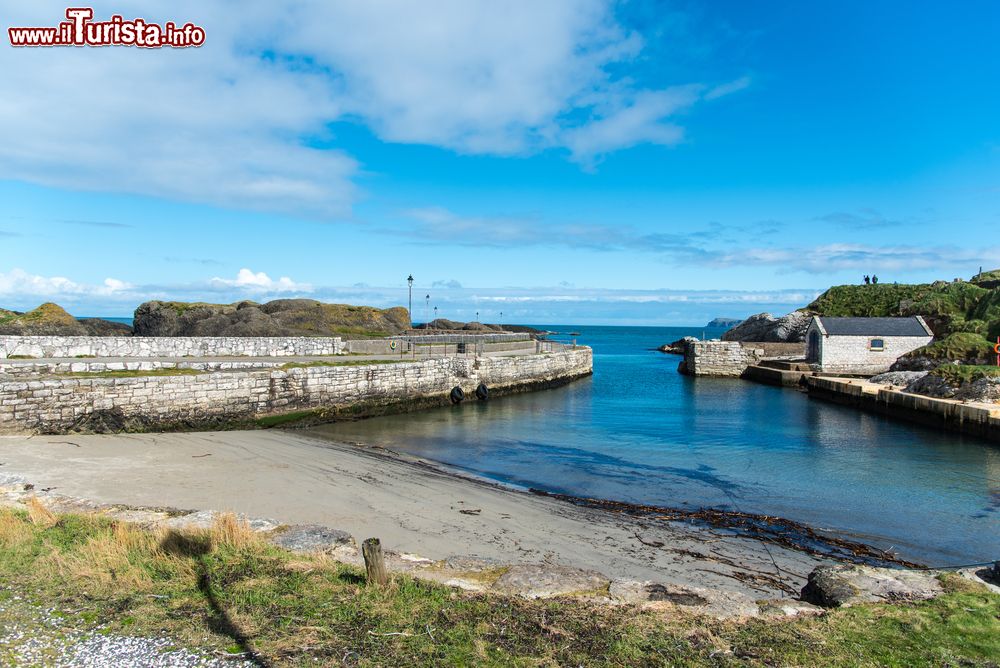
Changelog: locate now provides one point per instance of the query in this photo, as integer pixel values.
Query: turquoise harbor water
(638, 431)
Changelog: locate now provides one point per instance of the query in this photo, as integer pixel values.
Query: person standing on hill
(874, 280)
(868, 280)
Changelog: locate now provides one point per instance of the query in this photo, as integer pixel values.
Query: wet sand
(412, 505)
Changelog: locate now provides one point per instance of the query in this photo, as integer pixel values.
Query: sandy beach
(412, 505)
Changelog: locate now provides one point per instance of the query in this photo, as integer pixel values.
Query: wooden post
(371, 550)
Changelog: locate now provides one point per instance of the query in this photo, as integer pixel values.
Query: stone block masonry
(720, 358)
(167, 346)
(237, 397)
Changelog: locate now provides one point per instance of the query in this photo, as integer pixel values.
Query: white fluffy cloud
(237, 122)
(260, 283)
(19, 283)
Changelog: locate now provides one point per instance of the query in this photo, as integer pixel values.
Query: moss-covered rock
(961, 347)
(282, 317)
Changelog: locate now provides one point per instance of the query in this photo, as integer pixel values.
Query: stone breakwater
(732, 358)
(238, 397)
(167, 346)
(719, 358)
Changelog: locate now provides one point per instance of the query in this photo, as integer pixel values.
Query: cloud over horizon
(555, 304)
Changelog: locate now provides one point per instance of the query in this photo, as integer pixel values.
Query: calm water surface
(638, 431)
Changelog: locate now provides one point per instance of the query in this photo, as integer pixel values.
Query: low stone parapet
(167, 346)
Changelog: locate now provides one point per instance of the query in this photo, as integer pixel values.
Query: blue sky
(563, 162)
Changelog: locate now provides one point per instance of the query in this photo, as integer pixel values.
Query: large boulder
(789, 328)
(931, 385)
(282, 317)
(847, 585)
(52, 320)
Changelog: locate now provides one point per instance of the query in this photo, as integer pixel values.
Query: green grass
(225, 590)
(132, 373)
(20, 357)
(958, 346)
(960, 374)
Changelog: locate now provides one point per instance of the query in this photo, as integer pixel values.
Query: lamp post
(409, 311)
(477, 316)
(427, 307)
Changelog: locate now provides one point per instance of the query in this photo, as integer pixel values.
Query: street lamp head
(409, 279)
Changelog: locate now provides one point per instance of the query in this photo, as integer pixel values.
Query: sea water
(639, 431)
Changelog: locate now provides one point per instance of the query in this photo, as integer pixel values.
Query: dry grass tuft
(39, 514)
(232, 532)
(14, 529)
(109, 559)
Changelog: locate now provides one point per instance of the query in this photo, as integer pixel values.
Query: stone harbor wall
(236, 398)
(978, 419)
(720, 358)
(167, 346)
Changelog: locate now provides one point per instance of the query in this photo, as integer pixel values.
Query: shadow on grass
(351, 578)
(195, 548)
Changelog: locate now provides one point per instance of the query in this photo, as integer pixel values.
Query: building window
(877, 345)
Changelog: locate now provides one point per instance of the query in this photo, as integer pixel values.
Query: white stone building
(863, 346)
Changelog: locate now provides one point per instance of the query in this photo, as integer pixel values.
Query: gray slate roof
(873, 327)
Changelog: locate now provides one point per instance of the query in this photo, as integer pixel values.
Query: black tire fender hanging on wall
(483, 392)
(457, 395)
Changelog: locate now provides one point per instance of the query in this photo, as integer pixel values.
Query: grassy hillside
(965, 316)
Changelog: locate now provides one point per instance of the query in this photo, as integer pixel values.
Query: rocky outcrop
(898, 378)
(847, 585)
(52, 320)
(282, 317)
(445, 325)
(931, 385)
(981, 390)
(678, 347)
(790, 328)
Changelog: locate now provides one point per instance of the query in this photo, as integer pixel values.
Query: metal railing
(417, 347)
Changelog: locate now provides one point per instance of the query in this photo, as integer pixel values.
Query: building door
(812, 353)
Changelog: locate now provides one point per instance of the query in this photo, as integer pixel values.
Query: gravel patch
(36, 636)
